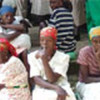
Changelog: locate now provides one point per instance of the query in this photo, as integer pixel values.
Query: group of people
(46, 68)
(41, 67)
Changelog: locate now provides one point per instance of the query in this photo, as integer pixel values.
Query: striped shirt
(87, 58)
(62, 20)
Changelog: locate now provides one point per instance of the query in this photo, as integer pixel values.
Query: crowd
(42, 74)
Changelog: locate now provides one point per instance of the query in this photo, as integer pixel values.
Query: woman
(48, 69)
(20, 6)
(13, 75)
(12, 28)
(89, 60)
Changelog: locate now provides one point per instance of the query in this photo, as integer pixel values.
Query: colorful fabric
(6, 9)
(3, 47)
(49, 31)
(3, 43)
(94, 32)
(21, 6)
(13, 74)
(87, 58)
(59, 64)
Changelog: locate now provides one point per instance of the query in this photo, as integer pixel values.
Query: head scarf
(4, 44)
(49, 32)
(6, 9)
(94, 32)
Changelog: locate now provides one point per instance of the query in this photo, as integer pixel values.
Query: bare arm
(2, 86)
(17, 27)
(52, 76)
(10, 36)
(85, 75)
(61, 92)
(39, 81)
(24, 59)
(97, 53)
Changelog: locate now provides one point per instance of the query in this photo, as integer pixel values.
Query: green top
(92, 13)
(73, 55)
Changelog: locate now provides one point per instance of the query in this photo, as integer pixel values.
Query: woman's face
(7, 18)
(96, 43)
(4, 55)
(47, 43)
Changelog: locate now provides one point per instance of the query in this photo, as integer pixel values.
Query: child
(12, 29)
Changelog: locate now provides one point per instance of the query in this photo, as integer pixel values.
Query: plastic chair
(73, 55)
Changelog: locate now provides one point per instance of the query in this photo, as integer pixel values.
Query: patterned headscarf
(49, 31)
(6, 9)
(4, 44)
(94, 32)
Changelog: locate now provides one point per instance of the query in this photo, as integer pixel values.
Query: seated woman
(12, 28)
(89, 60)
(13, 75)
(48, 68)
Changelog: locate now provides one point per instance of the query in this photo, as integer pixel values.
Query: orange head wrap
(94, 32)
(4, 44)
(49, 32)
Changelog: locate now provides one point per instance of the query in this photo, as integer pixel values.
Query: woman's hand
(4, 26)
(2, 86)
(41, 54)
(61, 93)
(98, 57)
(98, 54)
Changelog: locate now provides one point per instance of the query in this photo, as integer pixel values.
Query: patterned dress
(14, 75)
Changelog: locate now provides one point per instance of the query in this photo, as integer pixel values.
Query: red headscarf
(9, 46)
(49, 31)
